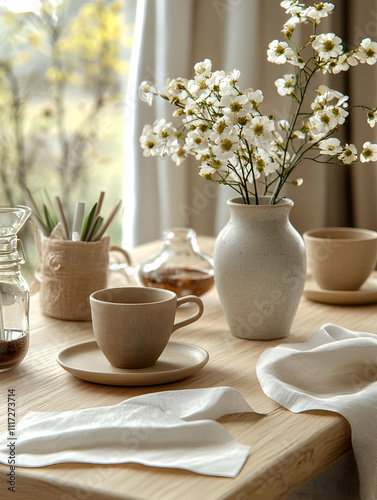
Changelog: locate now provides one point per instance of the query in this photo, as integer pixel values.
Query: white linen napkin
(335, 370)
(165, 429)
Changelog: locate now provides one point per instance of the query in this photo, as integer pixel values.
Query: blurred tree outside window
(63, 72)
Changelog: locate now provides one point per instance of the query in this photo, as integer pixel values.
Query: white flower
(226, 88)
(147, 92)
(263, 162)
(369, 152)
(197, 89)
(294, 8)
(315, 136)
(221, 128)
(191, 110)
(202, 126)
(371, 118)
(286, 85)
(323, 120)
(296, 61)
(283, 125)
(203, 68)
(339, 113)
(297, 10)
(327, 45)
(330, 147)
(225, 147)
(299, 134)
(318, 11)
(235, 106)
(214, 165)
(326, 95)
(178, 154)
(206, 171)
(229, 80)
(349, 154)
(290, 25)
(328, 115)
(367, 52)
(149, 141)
(277, 151)
(279, 52)
(176, 89)
(197, 142)
(343, 63)
(157, 139)
(276, 147)
(165, 132)
(213, 81)
(259, 130)
(254, 96)
(286, 4)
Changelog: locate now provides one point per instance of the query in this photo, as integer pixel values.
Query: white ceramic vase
(260, 268)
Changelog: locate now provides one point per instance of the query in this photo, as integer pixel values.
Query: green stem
(254, 179)
(283, 176)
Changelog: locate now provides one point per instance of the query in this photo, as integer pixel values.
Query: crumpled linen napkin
(166, 429)
(335, 370)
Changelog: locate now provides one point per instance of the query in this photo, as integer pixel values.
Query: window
(63, 72)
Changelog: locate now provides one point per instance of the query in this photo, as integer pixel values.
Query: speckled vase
(260, 268)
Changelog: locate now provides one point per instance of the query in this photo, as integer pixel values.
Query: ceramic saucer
(86, 361)
(367, 294)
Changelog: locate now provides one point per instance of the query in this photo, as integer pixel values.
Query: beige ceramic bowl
(340, 258)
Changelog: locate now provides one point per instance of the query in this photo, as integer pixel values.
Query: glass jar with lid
(14, 290)
(178, 265)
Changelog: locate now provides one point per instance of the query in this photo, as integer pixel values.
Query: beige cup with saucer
(340, 258)
(132, 325)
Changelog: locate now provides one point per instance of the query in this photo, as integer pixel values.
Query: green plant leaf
(88, 222)
(49, 222)
(96, 227)
(49, 211)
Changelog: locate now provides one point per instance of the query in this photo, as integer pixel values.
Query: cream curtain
(170, 37)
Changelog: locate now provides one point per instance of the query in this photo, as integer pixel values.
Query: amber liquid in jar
(180, 280)
(13, 350)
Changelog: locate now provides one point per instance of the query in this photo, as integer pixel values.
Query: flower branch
(223, 126)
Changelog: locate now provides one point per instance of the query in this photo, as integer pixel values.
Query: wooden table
(286, 449)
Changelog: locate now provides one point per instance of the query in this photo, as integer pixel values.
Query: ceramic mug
(132, 325)
(340, 258)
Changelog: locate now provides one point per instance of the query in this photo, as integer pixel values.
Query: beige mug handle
(194, 317)
(123, 252)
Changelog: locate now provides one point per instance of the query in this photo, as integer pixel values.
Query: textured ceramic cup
(340, 258)
(132, 325)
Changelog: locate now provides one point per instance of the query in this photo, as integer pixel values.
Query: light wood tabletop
(286, 449)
